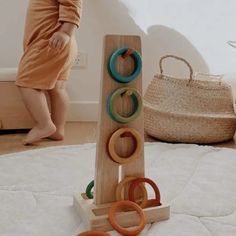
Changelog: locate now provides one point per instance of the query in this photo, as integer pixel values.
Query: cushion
(8, 74)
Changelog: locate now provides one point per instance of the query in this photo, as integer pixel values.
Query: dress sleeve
(70, 11)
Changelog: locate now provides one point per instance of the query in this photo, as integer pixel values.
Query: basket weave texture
(188, 110)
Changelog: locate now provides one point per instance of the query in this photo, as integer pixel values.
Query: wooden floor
(76, 133)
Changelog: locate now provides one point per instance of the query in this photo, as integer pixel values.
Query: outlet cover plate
(81, 61)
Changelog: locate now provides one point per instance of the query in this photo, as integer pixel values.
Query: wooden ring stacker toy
(88, 191)
(94, 233)
(121, 187)
(137, 105)
(151, 202)
(125, 132)
(125, 52)
(117, 227)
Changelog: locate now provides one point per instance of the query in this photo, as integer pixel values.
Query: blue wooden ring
(89, 188)
(137, 101)
(112, 66)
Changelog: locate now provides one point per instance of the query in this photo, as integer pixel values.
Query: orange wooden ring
(117, 227)
(119, 134)
(135, 184)
(94, 233)
(121, 187)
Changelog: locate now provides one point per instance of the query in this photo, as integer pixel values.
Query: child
(49, 52)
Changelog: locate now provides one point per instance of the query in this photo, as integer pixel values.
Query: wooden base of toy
(95, 217)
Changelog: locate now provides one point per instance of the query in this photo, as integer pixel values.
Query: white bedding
(36, 189)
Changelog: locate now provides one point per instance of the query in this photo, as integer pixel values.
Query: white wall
(196, 30)
(12, 17)
(207, 24)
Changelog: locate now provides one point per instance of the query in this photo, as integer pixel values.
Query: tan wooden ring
(125, 132)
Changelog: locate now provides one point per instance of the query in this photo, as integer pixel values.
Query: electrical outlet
(81, 61)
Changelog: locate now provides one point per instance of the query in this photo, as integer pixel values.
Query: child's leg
(59, 106)
(35, 101)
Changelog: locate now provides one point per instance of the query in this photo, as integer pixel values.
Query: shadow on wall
(158, 41)
(161, 40)
(102, 17)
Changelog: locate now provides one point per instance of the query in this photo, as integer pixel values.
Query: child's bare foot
(38, 133)
(57, 136)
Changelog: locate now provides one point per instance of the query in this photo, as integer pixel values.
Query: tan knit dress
(41, 66)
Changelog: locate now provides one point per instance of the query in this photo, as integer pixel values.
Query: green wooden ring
(89, 188)
(137, 101)
(113, 70)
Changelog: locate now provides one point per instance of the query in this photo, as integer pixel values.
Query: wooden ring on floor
(137, 105)
(121, 187)
(151, 202)
(137, 65)
(117, 227)
(88, 191)
(94, 233)
(124, 132)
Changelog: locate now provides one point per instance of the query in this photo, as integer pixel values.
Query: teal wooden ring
(137, 101)
(89, 188)
(112, 66)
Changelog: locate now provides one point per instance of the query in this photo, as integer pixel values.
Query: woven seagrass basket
(188, 110)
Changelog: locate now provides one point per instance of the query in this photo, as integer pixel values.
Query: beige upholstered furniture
(13, 114)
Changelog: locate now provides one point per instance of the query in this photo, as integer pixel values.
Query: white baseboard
(83, 111)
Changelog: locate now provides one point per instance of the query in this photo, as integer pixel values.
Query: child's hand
(59, 40)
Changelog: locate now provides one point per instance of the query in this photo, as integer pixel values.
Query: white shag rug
(37, 187)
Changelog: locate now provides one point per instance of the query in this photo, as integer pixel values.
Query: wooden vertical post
(107, 171)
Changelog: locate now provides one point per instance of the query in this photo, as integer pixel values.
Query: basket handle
(177, 58)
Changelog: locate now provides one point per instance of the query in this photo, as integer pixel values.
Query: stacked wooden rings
(150, 203)
(121, 187)
(112, 65)
(138, 183)
(136, 98)
(137, 105)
